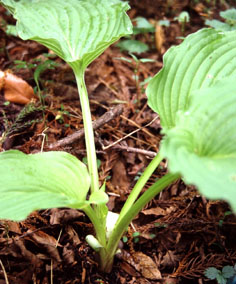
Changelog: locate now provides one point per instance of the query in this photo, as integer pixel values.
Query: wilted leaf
(146, 266)
(16, 90)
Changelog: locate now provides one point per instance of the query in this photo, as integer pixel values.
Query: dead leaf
(120, 180)
(170, 280)
(68, 255)
(62, 216)
(170, 259)
(12, 227)
(16, 90)
(48, 242)
(159, 211)
(146, 266)
(28, 255)
(73, 236)
(143, 264)
(159, 38)
(128, 269)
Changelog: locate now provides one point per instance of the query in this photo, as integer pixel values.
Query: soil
(177, 235)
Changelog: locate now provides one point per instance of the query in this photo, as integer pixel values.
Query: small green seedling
(221, 221)
(183, 18)
(142, 26)
(133, 45)
(136, 65)
(229, 23)
(39, 66)
(222, 277)
(136, 236)
(195, 97)
(164, 23)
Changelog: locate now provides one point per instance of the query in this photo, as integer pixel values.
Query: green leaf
(98, 197)
(228, 271)
(220, 279)
(76, 30)
(164, 23)
(218, 25)
(11, 30)
(133, 46)
(183, 17)
(143, 26)
(203, 58)
(211, 273)
(40, 181)
(202, 146)
(9, 4)
(229, 15)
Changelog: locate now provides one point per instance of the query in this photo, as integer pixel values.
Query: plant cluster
(229, 23)
(224, 276)
(194, 95)
(132, 45)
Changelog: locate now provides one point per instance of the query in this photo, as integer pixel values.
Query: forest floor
(179, 234)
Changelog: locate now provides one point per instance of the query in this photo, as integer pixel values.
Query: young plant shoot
(194, 94)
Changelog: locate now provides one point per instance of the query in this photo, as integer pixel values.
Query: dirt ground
(177, 235)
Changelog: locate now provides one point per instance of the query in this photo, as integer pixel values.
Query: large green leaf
(76, 30)
(203, 58)
(39, 181)
(201, 147)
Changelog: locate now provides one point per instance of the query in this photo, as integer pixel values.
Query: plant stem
(124, 222)
(140, 184)
(98, 226)
(95, 214)
(88, 128)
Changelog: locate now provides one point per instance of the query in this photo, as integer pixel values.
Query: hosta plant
(194, 95)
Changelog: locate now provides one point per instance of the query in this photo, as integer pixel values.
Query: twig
(108, 116)
(150, 154)
(130, 134)
(51, 274)
(4, 272)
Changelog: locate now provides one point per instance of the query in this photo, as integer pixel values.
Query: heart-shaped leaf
(201, 147)
(76, 30)
(203, 58)
(39, 181)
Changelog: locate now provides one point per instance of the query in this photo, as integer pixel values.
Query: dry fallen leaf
(159, 38)
(16, 90)
(146, 266)
(49, 243)
(143, 264)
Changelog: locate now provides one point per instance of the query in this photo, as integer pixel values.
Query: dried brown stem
(108, 116)
(150, 154)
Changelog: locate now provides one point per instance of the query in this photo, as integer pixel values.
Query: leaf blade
(201, 147)
(77, 31)
(203, 58)
(40, 181)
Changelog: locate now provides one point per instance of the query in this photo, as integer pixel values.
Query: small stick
(4, 272)
(150, 154)
(108, 116)
(130, 134)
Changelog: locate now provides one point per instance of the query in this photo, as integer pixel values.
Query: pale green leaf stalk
(77, 31)
(193, 95)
